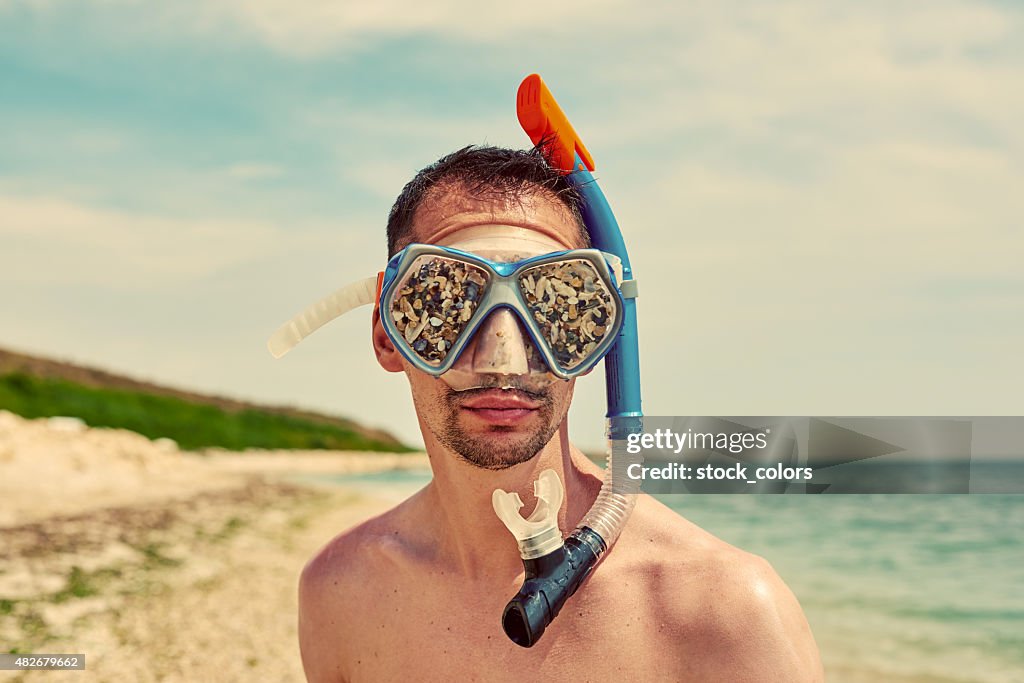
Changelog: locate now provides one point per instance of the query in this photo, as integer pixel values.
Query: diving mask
(433, 300)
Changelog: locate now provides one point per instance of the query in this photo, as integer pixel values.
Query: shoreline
(59, 466)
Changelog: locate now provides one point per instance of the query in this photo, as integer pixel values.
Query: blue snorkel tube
(553, 577)
(622, 364)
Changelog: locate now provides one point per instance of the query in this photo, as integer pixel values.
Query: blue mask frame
(502, 290)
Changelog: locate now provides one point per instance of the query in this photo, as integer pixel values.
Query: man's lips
(501, 406)
(500, 399)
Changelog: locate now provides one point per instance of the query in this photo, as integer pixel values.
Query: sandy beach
(160, 565)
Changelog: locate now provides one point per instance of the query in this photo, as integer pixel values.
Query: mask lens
(572, 305)
(435, 302)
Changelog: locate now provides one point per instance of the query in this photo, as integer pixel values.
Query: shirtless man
(418, 592)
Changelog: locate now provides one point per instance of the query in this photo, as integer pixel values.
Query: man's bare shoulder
(351, 551)
(337, 591)
(717, 600)
(363, 552)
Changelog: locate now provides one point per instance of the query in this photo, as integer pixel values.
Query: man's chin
(495, 430)
(497, 447)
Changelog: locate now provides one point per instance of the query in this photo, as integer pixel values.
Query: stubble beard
(489, 450)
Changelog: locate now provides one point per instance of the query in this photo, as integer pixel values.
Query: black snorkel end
(550, 580)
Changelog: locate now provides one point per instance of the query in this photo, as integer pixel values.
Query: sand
(160, 565)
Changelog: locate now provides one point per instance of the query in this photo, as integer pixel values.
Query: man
(418, 592)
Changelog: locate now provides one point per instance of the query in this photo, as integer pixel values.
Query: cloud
(884, 217)
(313, 28)
(821, 74)
(54, 242)
(254, 171)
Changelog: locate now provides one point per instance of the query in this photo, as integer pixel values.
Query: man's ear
(388, 357)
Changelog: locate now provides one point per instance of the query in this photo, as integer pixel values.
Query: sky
(823, 201)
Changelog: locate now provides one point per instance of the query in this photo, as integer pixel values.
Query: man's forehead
(501, 242)
(537, 216)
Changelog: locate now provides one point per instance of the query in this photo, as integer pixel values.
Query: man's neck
(470, 538)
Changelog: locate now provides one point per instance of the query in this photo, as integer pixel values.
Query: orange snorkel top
(540, 116)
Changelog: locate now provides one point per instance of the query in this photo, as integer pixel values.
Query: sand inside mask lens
(572, 307)
(435, 303)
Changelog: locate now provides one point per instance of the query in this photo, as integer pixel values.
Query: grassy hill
(38, 387)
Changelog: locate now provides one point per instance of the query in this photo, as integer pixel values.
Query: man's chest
(459, 637)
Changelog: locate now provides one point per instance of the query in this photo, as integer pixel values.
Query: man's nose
(499, 345)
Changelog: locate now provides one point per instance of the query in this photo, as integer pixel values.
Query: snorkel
(556, 569)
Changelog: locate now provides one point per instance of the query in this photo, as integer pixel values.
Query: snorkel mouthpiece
(538, 534)
(554, 568)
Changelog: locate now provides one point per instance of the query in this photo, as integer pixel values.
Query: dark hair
(492, 172)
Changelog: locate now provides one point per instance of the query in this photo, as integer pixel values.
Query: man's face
(488, 426)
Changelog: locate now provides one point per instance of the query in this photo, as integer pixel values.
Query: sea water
(897, 588)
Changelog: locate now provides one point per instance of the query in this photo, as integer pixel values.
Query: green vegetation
(154, 556)
(192, 425)
(80, 585)
(230, 528)
(33, 627)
